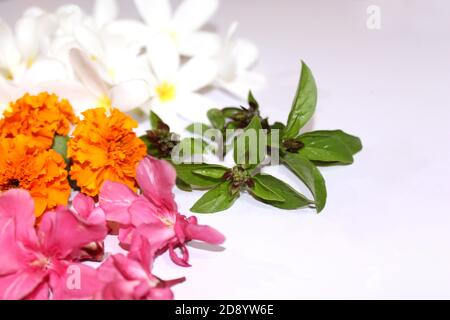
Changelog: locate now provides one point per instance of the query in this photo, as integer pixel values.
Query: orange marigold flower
(23, 164)
(104, 147)
(41, 117)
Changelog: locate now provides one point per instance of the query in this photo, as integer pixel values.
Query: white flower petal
(193, 107)
(90, 42)
(33, 12)
(129, 95)
(27, 37)
(199, 43)
(9, 53)
(243, 83)
(8, 93)
(85, 70)
(155, 13)
(167, 111)
(163, 56)
(105, 11)
(78, 95)
(191, 15)
(246, 54)
(133, 30)
(197, 73)
(45, 70)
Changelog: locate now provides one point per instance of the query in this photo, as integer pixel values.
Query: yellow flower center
(104, 102)
(9, 75)
(29, 63)
(166, 91)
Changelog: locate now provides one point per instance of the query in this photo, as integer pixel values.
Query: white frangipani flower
(93, 92)
(175, 86)
(235, 61)
(20, 58)
(183, 25)
(115, 59)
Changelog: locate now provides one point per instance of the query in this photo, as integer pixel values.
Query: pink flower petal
(143, 212)
(61, 232)
(83, 205)
(41, 292)
(130, 269)
(157, 179)
(119, 290)
(158, 235)
(115, 199)
(141, 251)
(181, 261)
(18, 205)
(78, 281)
(19, 285)
(204, 233)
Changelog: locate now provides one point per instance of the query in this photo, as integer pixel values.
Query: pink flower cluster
(43, 260)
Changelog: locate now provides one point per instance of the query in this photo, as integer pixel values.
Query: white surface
(385, 230)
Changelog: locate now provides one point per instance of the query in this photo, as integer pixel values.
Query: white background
(385, 232)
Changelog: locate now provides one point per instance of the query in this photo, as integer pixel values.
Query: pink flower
(94, 218)
(154, 214)
(130, 278)
(44, 263)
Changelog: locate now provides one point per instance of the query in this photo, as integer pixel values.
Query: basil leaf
(183, 185)
(146, 141)
(186, 173)
(293, 199)
(324, 148)
(304, 104)
(261, 191)
(252, 101)
(228, 112)
(155, 120)
(278, 125)
(310, 175)
(352, 143)
(217, 119)
(218, 199)
(247, 149)
(60, 146)
(211, 172)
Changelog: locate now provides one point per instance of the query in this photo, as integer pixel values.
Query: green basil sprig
(301, 152)
(226, 184)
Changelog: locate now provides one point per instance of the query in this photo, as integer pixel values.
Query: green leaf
(252, 101)
(211, 172)
(186, 173)
(352, 143)
(155, 120)
(247, 149)
(199, 126)
(146, 140)
(310, 175)
(217, 119)
(228, 112)
(218, 199)
(293, 199)
(263, 192)
(278, 125)
(325, 148)
(183, 185)
(60, 146)
(304, 103)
